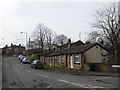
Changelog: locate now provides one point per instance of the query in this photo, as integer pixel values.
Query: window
(57, 59)
(52, 59)
(105, 57)
(76, 59)
(48, 59)
(62, 59)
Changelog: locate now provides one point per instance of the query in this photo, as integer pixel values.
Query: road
(19, 75)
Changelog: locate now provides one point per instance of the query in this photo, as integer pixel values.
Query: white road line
(101, 78)
(41, 75)
(28, 71)
(49, 86)
(63, 81)
(80, 85)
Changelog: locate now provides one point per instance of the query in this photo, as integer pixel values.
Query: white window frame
(78, 57)
(62, 59)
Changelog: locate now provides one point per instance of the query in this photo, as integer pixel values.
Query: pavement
(92, 73)
(96, 73)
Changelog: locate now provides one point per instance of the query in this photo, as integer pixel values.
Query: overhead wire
(8, 31)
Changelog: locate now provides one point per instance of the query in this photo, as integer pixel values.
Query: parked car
(26, 60)
(22, 57)
(37, 64)
(19, 56)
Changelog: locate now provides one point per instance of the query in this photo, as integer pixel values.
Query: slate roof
(79, 49)
(13, 46)
(45, 52)
(77, 43)
(56, 53)
(74, 50)
(34, 51)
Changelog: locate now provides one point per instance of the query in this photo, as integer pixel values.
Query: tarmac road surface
(18, 75)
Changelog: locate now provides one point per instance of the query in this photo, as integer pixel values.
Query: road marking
(10, 86)
(102, 78)
(80, 85)
(41, 75)
(49, 86)
(63, 81)
(46, 76)
(28, 70)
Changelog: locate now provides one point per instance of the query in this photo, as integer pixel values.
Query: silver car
(26, 60)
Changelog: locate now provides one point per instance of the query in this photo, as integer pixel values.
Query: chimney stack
(11, 44)
(69, 43)
(19, 45)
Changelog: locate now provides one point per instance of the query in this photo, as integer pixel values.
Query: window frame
(77, 59)
(62, 59)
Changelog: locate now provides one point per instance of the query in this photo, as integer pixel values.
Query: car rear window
(38, 62)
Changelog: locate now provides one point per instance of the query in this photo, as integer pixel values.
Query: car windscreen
(23, 57)
(38, 62)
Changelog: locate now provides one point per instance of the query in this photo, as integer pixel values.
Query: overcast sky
(69, 18)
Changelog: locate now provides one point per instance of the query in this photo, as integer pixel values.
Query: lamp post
(26, 37)
(1, 41)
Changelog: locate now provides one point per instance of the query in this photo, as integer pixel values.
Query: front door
(71, 62)
(66, 61)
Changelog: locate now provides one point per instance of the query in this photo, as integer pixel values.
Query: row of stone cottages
(75, 55)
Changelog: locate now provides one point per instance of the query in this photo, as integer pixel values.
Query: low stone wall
(106, 68)
(86, 67)
(76, 66)
(99, 67)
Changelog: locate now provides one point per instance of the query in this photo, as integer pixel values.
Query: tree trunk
(116, 52)
(119, 54)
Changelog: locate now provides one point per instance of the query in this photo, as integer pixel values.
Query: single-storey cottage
(78, 57)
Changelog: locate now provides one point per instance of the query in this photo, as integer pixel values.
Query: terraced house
(77, 55)
(13, 50)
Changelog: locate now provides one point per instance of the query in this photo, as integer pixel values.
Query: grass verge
(64, 70)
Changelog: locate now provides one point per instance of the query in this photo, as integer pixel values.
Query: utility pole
(1, 41)
(26, 37)
(29, 44)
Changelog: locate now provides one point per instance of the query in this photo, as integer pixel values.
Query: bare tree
(93, 37)
(49, 37)
(61, 39)
(106, 20)
(40, 31)
(43, 36)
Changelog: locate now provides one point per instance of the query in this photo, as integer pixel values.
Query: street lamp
(26, 37)
(2, 41)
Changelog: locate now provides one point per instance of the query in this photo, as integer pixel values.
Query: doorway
(71, 62)
(66, 61)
